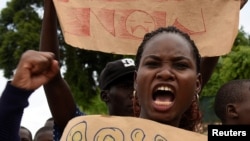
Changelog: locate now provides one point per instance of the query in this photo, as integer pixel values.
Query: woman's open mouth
(163, 97)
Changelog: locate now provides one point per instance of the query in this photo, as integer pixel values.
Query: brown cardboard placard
(115, 128)
(118, 26)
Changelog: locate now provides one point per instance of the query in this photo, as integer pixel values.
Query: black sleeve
(12, 103)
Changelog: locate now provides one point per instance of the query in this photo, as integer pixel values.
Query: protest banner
(118, 26)
(116, 128)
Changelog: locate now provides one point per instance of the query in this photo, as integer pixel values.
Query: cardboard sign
(118, 26)
(115, 128)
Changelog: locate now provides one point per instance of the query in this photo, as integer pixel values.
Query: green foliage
(98, 106)
(242, 39)
(238, 62)
(19, 26)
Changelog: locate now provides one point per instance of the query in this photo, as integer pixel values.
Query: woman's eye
(181, 66)
(152, 64)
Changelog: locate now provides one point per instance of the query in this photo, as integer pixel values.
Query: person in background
(116, 84)
(232, 102)
(49, 122)
(25, 134)
(45, 133)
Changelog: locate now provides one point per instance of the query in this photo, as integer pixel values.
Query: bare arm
(208, 65)
(59, 97)
(243, 3)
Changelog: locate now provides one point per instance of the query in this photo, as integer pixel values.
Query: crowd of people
(162, 84)
(45, 133)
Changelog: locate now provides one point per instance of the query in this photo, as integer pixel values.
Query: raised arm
(59, 97)
(34, 69)
(208, 65)
(243, 3)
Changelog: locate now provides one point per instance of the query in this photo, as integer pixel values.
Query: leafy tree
(242, 39)
(19, 23)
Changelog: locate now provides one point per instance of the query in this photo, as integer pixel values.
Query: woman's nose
(165, 73)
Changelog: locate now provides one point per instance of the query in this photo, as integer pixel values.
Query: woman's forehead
(168, 43)
(169, 36)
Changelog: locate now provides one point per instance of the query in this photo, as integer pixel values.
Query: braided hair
(191, 119)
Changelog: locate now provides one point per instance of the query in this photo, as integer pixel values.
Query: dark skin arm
(58, 93)
(207, 67)
(243, 3)
(208, 64)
